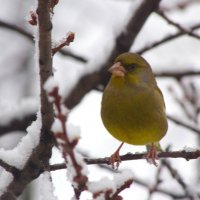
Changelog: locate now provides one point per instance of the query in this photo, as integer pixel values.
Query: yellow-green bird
(133, 108)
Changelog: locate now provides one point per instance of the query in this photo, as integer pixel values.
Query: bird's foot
(115, 159)
(152, 155)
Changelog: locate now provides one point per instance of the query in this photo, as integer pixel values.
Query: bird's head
(127, 63)
(132, 68)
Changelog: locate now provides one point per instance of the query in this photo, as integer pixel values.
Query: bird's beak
(117, 69)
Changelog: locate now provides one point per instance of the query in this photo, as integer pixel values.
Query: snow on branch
(29, 36)
(77, 173)
(38, 143)
(46, 187)
(74, 162)
(65, 42)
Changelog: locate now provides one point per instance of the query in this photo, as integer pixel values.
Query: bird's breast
(133, 114)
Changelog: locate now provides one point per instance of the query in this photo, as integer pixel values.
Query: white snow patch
(21, 153)
(120, 179)
(25, 107)
(73, 132)
(46, 187)
(5, 179)
(71, 173)
(50, 84)
(189, 149)
(102, 185)
(56, 126)
(106, 184)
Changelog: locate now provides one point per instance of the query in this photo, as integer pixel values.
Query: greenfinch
(133, 108)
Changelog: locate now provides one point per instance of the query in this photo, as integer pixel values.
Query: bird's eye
(130, 67)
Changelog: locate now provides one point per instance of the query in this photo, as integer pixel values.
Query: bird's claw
(114, 160)
(152, 156)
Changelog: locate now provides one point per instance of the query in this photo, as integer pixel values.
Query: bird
(133, 107)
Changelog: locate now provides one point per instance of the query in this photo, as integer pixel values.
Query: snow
(121, 178)
(5, 179)
(105, 184)
(10, 111)
(56, 126)
(10, 140)
(46, 187)
(99, 24)
(190, 149)
(73, 132)
(71, 173)
(50, 84)
(18, 156)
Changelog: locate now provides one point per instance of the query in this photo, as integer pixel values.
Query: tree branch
(177, 74)
(42, 153)
(166, 39)
(17, 124)
(188, 155)
(123, 43)
(196, 130)
(8, 168)
(178, 26)
(31, 39)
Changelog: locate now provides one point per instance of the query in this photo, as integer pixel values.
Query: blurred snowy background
(96, 25)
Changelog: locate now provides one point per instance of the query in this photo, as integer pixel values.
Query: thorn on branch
(33, 20)
(66, 42)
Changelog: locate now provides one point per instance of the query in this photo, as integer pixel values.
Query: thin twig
(178, 5)
(65, 145)
(157, 183)
(9, 168)
(17, 124)
(16, 29)
(31, 39)
(182, 29)
(166, 39)
(177, 74)
(174, 173)
(69, 38)
(188, 155)
(196, 130)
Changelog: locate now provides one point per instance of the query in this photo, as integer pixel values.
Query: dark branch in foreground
(129, 156)
(41, 154)
(9, 168)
